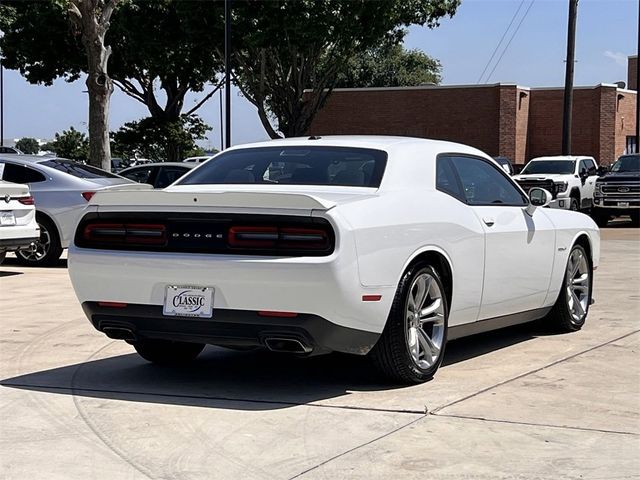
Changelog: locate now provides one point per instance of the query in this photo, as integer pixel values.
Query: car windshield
(77, 169)
(562, 167)
(293, 165)
(629, 163)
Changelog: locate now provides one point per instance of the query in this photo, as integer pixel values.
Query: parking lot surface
(518, 403)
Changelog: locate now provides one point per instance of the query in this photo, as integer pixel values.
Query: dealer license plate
(7, 218)
(623, 204)
(188, 301)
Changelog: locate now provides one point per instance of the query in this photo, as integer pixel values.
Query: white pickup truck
(570, 179)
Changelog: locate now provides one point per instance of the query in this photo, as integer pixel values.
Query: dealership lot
(518, 403)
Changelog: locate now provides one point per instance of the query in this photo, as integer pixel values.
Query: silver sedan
(61, 188)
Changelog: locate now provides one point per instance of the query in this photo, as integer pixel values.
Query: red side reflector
(268, 313)
(112, 304)
(371, 298)
(88, 195)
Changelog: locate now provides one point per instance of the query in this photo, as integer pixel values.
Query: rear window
(77, 169)
(299, 165)
(561, 167)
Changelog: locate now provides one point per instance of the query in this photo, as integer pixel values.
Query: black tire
(561, 318)
(165, 352)
(574, 204)
(635, 217)
(3, 255)
(391, 355)
(601, 218)
(47, 250)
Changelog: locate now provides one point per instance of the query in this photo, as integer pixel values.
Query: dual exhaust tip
(275, 344)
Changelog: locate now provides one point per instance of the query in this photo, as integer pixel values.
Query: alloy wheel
(39, 248)
(578, 285)
(425, 321)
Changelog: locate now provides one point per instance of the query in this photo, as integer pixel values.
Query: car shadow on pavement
(250, 380)
(9, 274)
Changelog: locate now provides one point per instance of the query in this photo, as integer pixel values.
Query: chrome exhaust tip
(286, 345)
(119, 333)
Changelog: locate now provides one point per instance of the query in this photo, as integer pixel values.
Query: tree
(161, 49)
(91, 18)
(291, 61)
(159, 140)
(28, 145)
(70, 144)
(390, 66)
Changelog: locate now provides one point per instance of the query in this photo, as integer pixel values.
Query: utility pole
(568, 79)
(227, 71)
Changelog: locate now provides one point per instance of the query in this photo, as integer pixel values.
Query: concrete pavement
(517, 403)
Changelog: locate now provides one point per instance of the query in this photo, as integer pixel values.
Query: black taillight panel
(235, 234)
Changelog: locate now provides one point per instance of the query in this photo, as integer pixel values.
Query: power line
(511, 39)
(500, 42)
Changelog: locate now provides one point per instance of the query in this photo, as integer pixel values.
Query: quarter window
(21, 174)
(484, 184)
(447, 179)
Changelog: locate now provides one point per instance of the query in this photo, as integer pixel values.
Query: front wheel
(574, 205)
(572, 306)
(411, 347)
(3, 255)
(166, 352)
(601, 218)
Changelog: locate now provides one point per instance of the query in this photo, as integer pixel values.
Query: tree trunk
(92, 19)
(100, 89)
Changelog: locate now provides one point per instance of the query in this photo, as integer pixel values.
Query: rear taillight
(27, 200)
(88, 195)
(278, 238)
(124, 234)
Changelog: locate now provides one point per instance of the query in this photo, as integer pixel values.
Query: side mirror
(602, 170)
(538, 197)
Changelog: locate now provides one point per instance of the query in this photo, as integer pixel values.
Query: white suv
(570, 179)
(18, 226)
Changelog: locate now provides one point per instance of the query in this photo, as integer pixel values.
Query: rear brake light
(112, 304)
(88, 195)
(271, 237)
(125, 234)
(27, 200)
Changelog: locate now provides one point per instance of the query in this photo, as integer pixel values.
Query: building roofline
(427, 87)
(633, 56)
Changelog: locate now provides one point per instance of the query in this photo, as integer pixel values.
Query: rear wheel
(165, 352)
(411, 347)
(45, 251)
(572, 306)
(574, 205)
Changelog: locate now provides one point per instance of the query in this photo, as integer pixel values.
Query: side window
(591, 167)
(485, 184)
(21, 174)
(141, 175)
(447, 180)
(168, 175)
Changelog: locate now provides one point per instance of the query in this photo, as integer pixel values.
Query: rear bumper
(230, 328)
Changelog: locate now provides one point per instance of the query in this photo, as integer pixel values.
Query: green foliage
(70, 144)
(390, 66)
(28, 145)
(165, 43)
(296, 45)
(159, 140)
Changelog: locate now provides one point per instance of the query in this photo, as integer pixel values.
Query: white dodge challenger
(387, 246)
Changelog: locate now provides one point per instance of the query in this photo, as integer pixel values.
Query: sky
(606, 35)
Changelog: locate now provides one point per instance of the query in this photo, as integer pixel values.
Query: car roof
(26, 159)
(572, 158)
(162, 164)
(378, 142)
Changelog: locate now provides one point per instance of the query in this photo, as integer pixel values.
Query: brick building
(500, 119)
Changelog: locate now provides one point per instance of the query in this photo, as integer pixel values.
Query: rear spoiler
(161, 198)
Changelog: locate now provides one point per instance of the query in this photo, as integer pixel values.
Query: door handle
(488, 221)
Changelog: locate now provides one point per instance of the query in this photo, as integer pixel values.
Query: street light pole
(568, 79)
(227, 71)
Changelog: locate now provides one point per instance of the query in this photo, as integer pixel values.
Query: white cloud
(618, 57)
